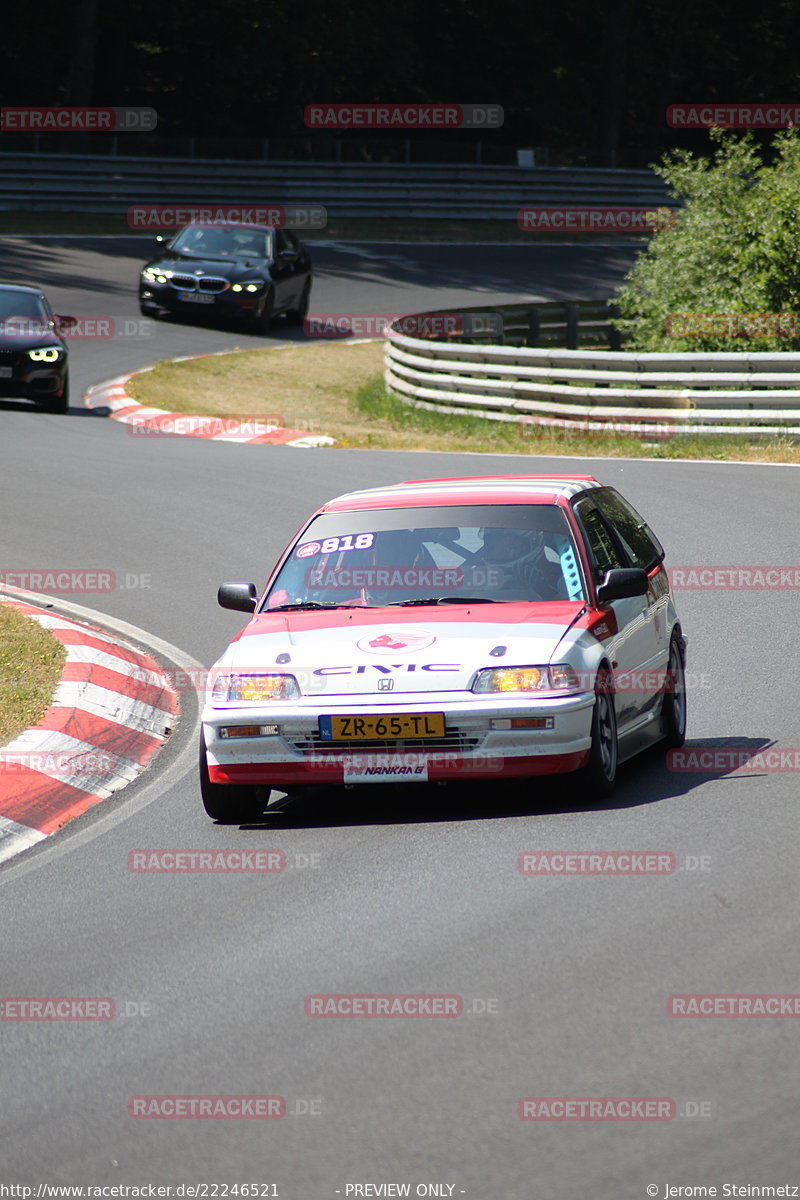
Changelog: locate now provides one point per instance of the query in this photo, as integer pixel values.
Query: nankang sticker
(307, 549)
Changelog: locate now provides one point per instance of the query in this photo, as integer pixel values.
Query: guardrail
(67, 183)
(590, 388)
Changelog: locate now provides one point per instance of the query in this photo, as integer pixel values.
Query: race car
(246, 272)
(499, 627)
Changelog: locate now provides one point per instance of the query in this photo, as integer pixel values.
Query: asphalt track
(565, 980)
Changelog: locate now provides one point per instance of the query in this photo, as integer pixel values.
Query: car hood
(225, 268)
(34, 338)
(347, 652)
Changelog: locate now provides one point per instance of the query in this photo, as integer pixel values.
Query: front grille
(454, 741)
(184, 283)
(212, 283)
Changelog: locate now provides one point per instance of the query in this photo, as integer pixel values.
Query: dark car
(34, 358)
(250, 273)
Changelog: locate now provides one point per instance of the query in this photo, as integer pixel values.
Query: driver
(517, 561)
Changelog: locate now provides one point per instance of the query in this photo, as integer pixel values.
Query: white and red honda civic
(477, 628)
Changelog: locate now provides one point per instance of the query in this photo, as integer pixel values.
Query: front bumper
(165, 298)
(475, 746)
(32, 382)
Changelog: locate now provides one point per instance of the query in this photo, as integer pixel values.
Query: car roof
(228, 225)
(21, 287)
(485, 489)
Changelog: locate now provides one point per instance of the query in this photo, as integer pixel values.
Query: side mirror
(621, 584)
(239, 596)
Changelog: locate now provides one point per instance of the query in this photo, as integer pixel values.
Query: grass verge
(31, 662)
(337, 388)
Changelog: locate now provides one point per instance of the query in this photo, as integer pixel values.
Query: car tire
(228, 803)
(155, 313)
(673, 711)
(58, 404)
(262, 318)
(599, 776)
(296, 316)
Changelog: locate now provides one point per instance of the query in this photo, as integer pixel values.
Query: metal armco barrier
(730, 393)
(111, 184)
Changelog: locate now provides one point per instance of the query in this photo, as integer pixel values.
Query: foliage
(733, 251)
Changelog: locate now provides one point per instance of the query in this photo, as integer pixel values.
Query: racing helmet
(509, 547)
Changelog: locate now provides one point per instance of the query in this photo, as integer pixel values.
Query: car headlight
(505, 680)
(46, 354)
(254, 688)
(251, 285)
(156, 276)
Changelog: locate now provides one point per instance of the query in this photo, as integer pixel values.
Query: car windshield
(223, 242)
(437, 555)
(22, 313)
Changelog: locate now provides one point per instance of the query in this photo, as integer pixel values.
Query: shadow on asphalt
(645, 779)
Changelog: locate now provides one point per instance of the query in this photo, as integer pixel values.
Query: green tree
(733, 251)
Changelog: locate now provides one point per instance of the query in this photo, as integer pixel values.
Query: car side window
(639, 542)
(604, 553)
(282, 243)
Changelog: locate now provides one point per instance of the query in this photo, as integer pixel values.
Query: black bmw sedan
(250, 273)
(34, 359)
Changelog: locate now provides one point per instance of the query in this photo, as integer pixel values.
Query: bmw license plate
(378, 725)
(6, 372)
(195, 298)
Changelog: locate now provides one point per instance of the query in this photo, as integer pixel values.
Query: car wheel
(296, 316)
(674, 705)
(229, 803)
(262, 318)
(155, 313)
(600, 773)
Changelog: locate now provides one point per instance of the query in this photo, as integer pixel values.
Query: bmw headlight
(254, 689)
(46, 354)
(250, 285)
(507, 680)
(150, 276)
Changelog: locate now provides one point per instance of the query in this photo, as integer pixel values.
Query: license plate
(195, 298)
(6, 372)
(370, 726)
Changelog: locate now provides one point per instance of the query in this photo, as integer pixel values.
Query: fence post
(572, 326)
(534, 322)
(614, 335)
